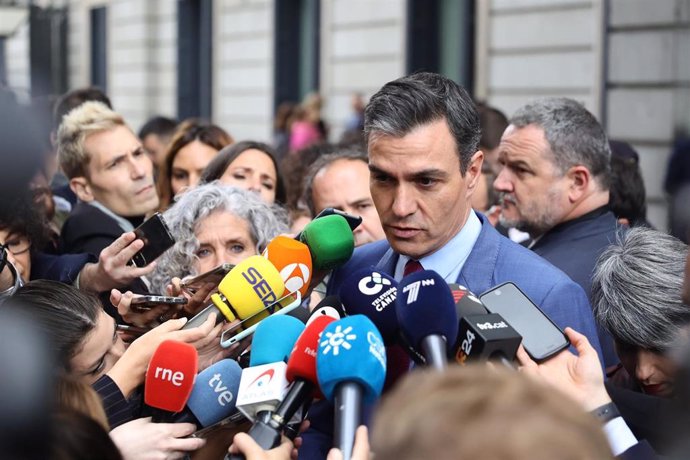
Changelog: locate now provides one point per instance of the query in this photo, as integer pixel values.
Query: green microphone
(330, 241)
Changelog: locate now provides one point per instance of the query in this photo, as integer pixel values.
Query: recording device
(293, 260)
(251, 285)
(330, 241)
(155, 234)
(214, 395)
(352, 221)
(425, 309)
(351, 369)
(301, 371)
(372, 293)
(264, 384)
(147, 302)
(212, 276)
(329, 306)
(170, 378)
(466, 303)
(541, 337)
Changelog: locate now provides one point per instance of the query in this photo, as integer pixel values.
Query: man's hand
(142, 439)
(113, 269)
(360, 450)
(580, 377)
(244, 444)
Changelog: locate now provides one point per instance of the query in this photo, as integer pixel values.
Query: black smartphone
(212, 276)
(157, 239)
(352, 221)
(147, 302)
(541, 337)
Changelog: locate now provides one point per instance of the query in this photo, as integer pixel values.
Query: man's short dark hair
(419, 99)
(627, 196)
(493, 123)
(73, 99)
(158, 125)
(323, 162)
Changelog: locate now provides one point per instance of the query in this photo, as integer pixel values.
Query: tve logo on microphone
(412, 289)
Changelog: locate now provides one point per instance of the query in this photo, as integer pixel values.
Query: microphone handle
(434, 350)
(201, 317)
(348, 415)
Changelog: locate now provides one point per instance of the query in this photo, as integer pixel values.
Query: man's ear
(80, 186)
(474, 172)
(580, 180)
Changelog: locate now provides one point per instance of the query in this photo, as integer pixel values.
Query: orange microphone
(293, 260)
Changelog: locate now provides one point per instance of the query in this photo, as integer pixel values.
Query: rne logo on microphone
(295, 276)
(371, 285)
(412, 289)
(335, 340)
(176, 378)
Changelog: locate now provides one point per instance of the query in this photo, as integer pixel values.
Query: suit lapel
(478, 271)
(387, 263)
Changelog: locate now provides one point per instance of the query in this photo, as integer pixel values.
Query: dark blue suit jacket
(494, 260)
(574, 247)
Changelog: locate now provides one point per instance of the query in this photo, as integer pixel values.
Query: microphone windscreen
(170, 376)
(302, 361)
(251, 286)
(351, 350)
(372, 293)
(301, 313)
(329, 306)
(292, 259)
(274, 339)
(425, 307)
(466, 303)
(330, 241)
(214, 394)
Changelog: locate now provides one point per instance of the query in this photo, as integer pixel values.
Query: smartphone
(147, 302)
(352, 221)
(212, 276)
(155, 234)
(541, 337)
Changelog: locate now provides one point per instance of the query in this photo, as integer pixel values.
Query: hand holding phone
(155, 234)
(147, 302)
(213, 276)
(541, 337)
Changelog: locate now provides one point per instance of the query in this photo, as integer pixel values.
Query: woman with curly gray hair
(215, 224)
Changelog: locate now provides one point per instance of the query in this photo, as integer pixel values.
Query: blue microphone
(351, 368)
(274, 338)
(372, 293)
(214, 395)
(427, 316)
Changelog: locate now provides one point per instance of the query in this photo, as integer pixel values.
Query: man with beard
(554, 184)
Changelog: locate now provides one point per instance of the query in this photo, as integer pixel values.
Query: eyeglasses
(16, 246)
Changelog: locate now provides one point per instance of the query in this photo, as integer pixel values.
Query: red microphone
(170, 378)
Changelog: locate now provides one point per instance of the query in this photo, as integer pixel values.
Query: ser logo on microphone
(412, 289)
(260, 286)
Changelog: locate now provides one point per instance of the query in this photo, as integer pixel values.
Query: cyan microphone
(351, 368)
(213, 396)
(372, 293)
(170, 378)
(426, 312)
(301, 371)
(264, 384)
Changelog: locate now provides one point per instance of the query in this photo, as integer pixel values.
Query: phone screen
(540, 336)
(156, 237)
(215, 276)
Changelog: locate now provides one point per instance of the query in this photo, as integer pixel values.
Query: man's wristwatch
(606, 413)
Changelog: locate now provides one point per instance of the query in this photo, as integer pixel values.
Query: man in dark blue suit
(422, 134)
(554, 184)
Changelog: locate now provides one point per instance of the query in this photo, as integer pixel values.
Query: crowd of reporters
(69, 291)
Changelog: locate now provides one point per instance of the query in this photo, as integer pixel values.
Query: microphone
(466, 303)
(293, 260)
(170, 378)
(427, 316)
(263, 385)
(330, 241)
(371, 293)
(486, 337)
(214, 395)
(301, 371)
(245, 292)
(329, 306)
(351, 369)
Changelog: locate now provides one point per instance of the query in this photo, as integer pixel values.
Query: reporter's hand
(195, 300)
(360, 450)
(210, 351)
(244, 444)
(142, 440)
(130, 370)
(145, 318)
(580, 377)
(112, 269)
